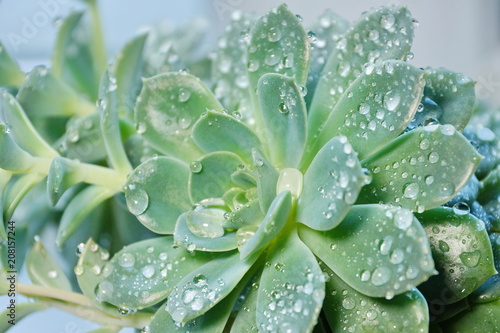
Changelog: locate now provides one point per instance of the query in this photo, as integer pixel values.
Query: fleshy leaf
(267, 178)
(110, 125)
(249, 214)
(107, 329)
(63, 174)
(13, 157)
(210, 176)
(380, 251)
(25, 134)
(128, 69)
(229, 68)
(22, 310)
(44, 270)
(151, 268)
(276, 49)
(381, 34)
(454, 95)
(73, 60)
(490, 289)
(371, 116)
(328, 29)
(331, 185)
(409, 171)
(183, 236)
(44, 95)
(489, 187)
(80, 206)
(480, 318)
(215, 131)
(352, 311)
(462, 253)
(16, 190)
(203, 288)
(166, 109)
(10, 73)
(246, 319)
(83, 139)
(272, 224)
(284, 115)
(292, 279)
(156, 193)
(90, 271)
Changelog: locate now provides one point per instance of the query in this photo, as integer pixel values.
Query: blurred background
(461, 35)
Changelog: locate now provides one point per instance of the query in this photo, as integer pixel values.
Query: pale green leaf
(13, 157)
(246, 215)
(22, 310)
(267, 179)
(379, 250)
(10, 73)
(480, 318)
(246, 320)
(83, 139)
(16, 191)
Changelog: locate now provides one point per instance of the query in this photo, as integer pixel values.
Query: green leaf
(267, 179)
(43, 94)
(139, 150)
(379, 250)
(246, 319)
(272, 224)
(63, 174)
(183, 236)
(200, 290)
(376, 107)
(144, 273)
(90, 271)
(83, 139)
(229, 68)
(10, 73)
(276, 49)
(110, 125)
(462, 253)
(25, 133)
(247, 215)
(80, 206)
(107, 329)
(73, 59)
(291, 279)
(157, 193)
(332, 184)
(16, 191)
(168, 60)
(210, 176)
(453, 93)
(490, 290)
(284, 115)
(480, 318)
(166, 109)
(215, 131)
(361, 313)
(128, 69)
(22, 310)
(489, 187)
(381, 34)
(44, 270)
(440, 312)
(328, 28)
(412, 170)
(13, 157)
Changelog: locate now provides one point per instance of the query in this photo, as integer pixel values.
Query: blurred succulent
(321, 183)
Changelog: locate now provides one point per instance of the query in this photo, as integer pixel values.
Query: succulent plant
(290, 181)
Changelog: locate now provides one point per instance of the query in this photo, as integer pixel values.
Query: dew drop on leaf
(195, 166)
(274, 34)
(126, 260)
(391, 100)
(461, 208)
(137, 200)
(380, 276)
(411, 190)
(403, 219)
(470, 259)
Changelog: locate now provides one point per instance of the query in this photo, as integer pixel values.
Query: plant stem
(98, 49)
(62, 295)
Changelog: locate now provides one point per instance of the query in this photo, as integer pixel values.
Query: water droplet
(447, 189)
(283, 108)
(312, 37)
(303, 90)
(272, 57)
(364, 108)
(397, 256)
(412, 272)
(391, 100)
(287, 61)
(461, 208)
(200, 280)
(195, 166)
(387, 21)
(52, 274)
(253, 65)
(344, 69)
(184, 95)
(411, 190)
(386, 245)
(380, 276)
(124, 311)
(148, 271)
(348, 303)
(447, 129)
(274, 34)
(78, 270)
(433, 157)
(96, 269)
(470, 259)
(365, 275)
(425, 144)
(141, 127)
(80, 248)
(403, 219)
(429, 180)
(443, 246)
(126, 260)
(373, 34)
(137, 200)
(184, 122)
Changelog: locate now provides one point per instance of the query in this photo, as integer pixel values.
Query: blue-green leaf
(10, 73)
(246, 319)
(462, 252)
(63, 174)
(22, 310)
(166, 110)
(13, 157)
(267, 179)
(246, 215)
(479, 318)
(144, 273)
(331, 185)
(350, 310)
(272, 224)
(284, 116)
(292, 279)
(210, 176)
(381, 34)
(203, 288)
(83, 139)
(110, 126)
(215, 131)
(379, 250)
(375, 108)
(16, 190)
(25, 133)
(157, 193)
(409, 171)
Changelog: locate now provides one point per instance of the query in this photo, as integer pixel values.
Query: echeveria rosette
(300, 202)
